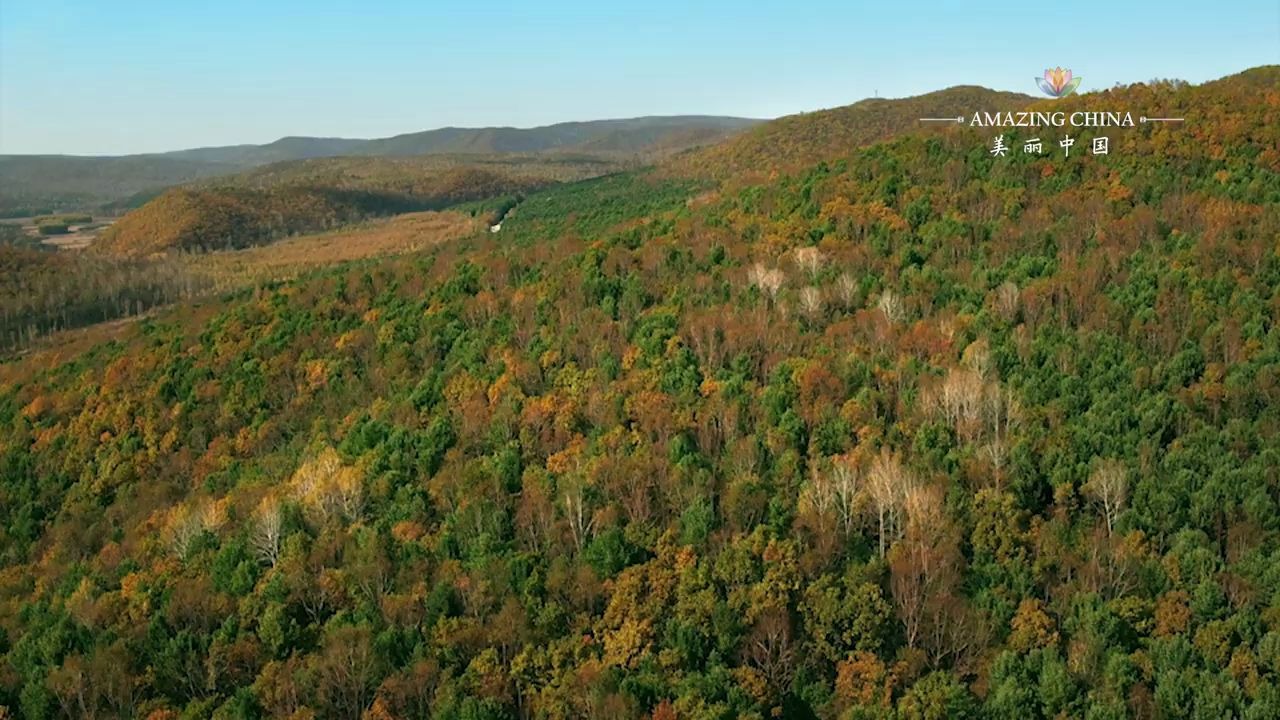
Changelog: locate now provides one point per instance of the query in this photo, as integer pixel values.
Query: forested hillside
(43, 290)
(160, 253)
(45, 293)
(912, 431)
(408, 173)
(798, 141)
(266, 205)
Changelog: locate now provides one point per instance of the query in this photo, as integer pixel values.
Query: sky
(129, 76)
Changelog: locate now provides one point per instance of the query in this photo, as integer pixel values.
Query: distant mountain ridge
(286, 148)
(623, 135)
(45, 182)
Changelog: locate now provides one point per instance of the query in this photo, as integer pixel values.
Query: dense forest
(42, 290)
(909, 432)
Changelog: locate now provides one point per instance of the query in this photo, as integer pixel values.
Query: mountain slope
(390, 172)
(798, 141)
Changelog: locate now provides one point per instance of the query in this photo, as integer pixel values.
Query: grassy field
(290, 257)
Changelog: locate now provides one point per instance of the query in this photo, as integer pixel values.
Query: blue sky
(94, 77)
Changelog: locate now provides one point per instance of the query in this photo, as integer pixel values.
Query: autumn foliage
(909, 432)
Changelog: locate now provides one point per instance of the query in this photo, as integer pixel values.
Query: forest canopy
(911, 431)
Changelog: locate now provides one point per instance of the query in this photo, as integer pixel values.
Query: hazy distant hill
(286, 148)
(632, 136)
(41, 183)
(33, 184)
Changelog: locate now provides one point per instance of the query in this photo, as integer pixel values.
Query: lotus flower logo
(1058, 83)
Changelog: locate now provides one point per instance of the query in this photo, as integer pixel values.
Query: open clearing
(286, 258)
